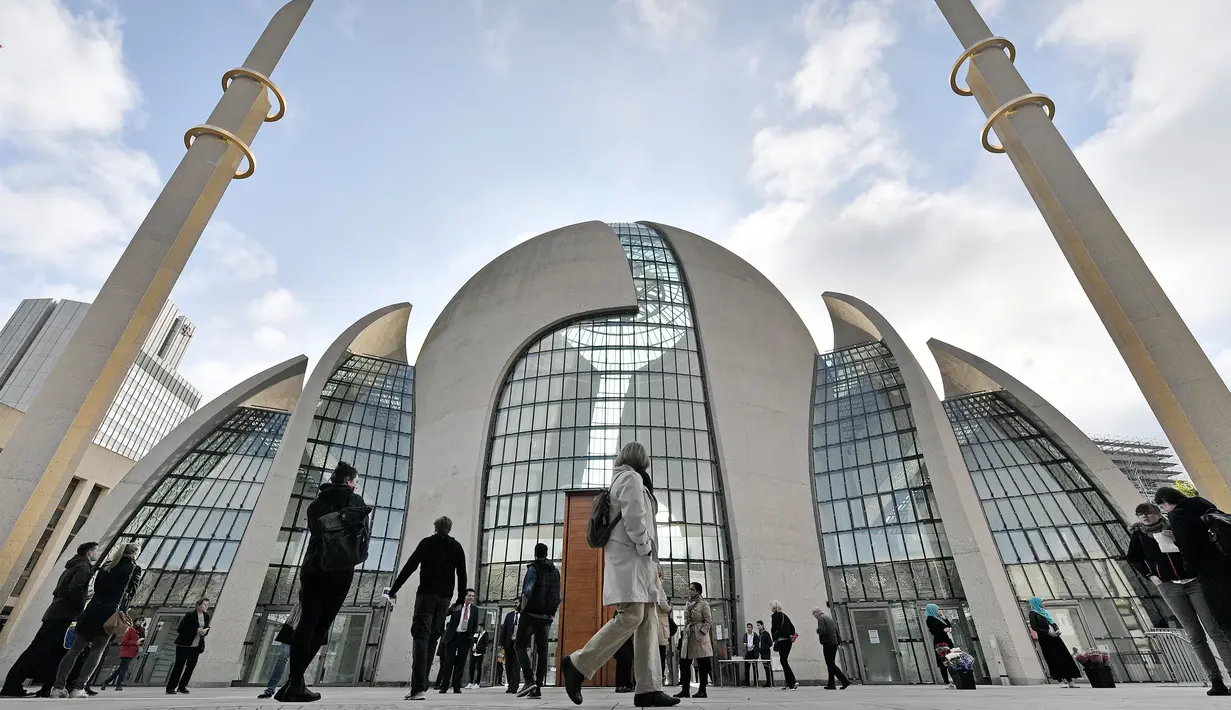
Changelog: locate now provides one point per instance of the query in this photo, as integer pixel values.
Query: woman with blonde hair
(114, 584)
(630, 581)
(783, 633)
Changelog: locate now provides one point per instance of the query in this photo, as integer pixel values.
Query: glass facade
(884, 547)
(567, 405)
(365, 417)
(1057, 535)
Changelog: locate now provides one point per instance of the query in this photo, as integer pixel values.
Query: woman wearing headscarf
(1060, 665)
(939, 627)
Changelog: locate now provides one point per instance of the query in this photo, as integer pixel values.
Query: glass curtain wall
(568, 404)
(364, 417)
(884, 547)
(1057, 535)
(190, 525)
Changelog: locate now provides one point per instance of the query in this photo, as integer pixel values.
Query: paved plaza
(1127, 697)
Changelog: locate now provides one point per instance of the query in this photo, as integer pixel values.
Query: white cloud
(666, 22)
(974, 264)
(269, 337)
(499, 25)
(275, 306)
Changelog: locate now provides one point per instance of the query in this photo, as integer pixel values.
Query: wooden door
(581, 607)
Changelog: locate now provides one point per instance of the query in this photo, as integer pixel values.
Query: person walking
(1201, 556)
(508, 639)
(831, 638)
(1060, 665)
(439, 558)
(114, 585)
(479, 646)
(666, 629)
(130, 644)
(68, 599)
(459, 634)
(624, 668)
(765, 651)
(783, 633)
(189, 645)
(940, 628)
(339, 527)
(1153, 553)
(630, 581)
(696, 644)
(283, 639)
(540, 598)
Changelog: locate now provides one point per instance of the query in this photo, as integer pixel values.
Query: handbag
(120, 622)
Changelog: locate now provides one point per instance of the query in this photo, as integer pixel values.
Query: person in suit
(508, 635)
(479, 646)
(624, 668)
(749, 646)
(189, 645)
(459, 634)
(765, 647)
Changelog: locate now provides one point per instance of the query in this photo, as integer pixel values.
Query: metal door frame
(859, 655)
(151, 629)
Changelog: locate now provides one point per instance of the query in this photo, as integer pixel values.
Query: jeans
(181, 671)
(80, 642)
(636, 619)
(1188, 603)
(784, 652)
(119, 674)
(321, 595)
(426, 626)
(831, 664)
(43, 653)
(533, 628)
(280, 661)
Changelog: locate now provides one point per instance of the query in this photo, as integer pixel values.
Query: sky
(819, 140)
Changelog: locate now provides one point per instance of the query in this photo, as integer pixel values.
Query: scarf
(933, 611)
(1036, 605)
(1158, 527)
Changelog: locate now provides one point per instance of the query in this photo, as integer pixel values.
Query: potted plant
(961, 668)
(1097, 666)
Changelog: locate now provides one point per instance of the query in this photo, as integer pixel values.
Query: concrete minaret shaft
(1189, 398)
(53, 435)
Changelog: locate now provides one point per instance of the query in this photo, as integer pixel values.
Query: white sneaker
(77, 693)
(58, 693)
(416, 696)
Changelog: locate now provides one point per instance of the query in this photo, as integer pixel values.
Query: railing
(1177, 654)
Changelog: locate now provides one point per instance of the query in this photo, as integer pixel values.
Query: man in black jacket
(459, 634)
(42, 656)
(829, 636)
(508, 630)
(540, 598)
(1189, 571)
(765, 649)
(189, 645)
(439, 558)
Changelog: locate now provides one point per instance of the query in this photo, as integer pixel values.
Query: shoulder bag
(120, 622)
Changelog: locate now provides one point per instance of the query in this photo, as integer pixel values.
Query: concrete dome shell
(964, 373)
(274, 388)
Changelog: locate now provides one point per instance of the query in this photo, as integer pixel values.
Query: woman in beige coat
(695, 642)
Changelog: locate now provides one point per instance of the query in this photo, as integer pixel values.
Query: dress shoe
(845, 685)
(700, 694)
(683, 694)
(572, 679)
(657, 699)
(623, 689)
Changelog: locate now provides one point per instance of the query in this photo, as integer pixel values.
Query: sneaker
(572, 679)
(535, 694)
(58, 693)
(416, 696)
(527, 689)
(657, 699)
(265, 695)
(91, 692)
(76, 693)
(119, 688)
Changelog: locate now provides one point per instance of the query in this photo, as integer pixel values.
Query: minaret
(1189, 398)
(52, 437)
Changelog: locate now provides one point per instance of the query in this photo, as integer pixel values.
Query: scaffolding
(1148, 464)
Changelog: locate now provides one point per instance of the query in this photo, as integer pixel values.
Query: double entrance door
(892, 651)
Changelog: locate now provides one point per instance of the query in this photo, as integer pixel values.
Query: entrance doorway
(581, 579)
(876, 643)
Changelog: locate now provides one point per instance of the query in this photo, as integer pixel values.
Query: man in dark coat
(189, 645)
(508, 630)
(459, 634)
(831, 639)
(765, 650)
(43, 655)
(1201, 556)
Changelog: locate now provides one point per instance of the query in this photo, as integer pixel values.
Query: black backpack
(1219, 524)
(598, 531)
(545, 598)
(345, 535)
